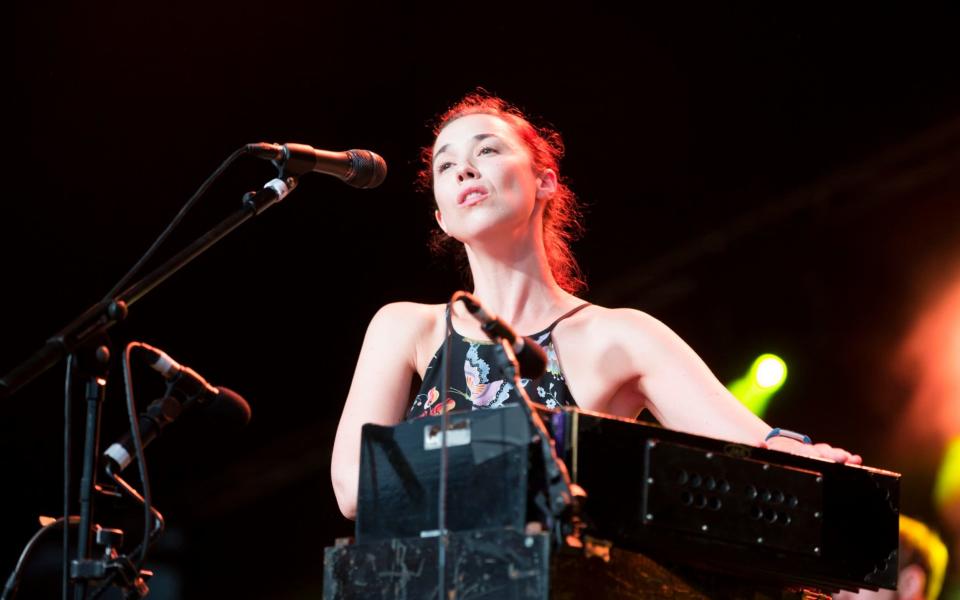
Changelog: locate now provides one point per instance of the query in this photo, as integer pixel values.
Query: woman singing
(501, 199)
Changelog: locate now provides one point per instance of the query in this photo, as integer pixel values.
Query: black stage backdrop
(761, 178)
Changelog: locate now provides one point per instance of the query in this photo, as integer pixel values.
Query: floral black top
(482, 384)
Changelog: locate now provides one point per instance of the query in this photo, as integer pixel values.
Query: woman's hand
(824, 451)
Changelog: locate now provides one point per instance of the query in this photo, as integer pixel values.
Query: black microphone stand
(563, 497)
(96, 320)
(561, 493)
(95, 388)
(82, 340)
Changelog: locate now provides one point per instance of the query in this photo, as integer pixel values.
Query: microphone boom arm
(100, 317)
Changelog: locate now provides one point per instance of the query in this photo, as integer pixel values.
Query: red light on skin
(930, 356)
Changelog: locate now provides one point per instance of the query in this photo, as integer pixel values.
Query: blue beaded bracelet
(793, 435)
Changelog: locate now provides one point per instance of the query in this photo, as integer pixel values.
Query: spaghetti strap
(481, 383)
(567, 314)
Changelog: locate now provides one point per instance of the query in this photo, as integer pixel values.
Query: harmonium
(666, 514)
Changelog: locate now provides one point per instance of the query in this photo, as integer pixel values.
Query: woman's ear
(546, 184)
(439, 219)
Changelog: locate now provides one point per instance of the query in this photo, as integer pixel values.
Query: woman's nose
(467, 172)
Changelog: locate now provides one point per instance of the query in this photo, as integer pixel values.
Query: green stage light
(767, 374)
(769, 371)
(946, 489)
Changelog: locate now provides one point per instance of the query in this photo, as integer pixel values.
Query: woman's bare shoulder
(616, 323)
(411, 324)
(406, 321)
(412, 317)
(637, 337)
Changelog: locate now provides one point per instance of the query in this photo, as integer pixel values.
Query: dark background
(761, 178)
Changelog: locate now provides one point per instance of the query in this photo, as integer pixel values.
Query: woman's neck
(517, 284)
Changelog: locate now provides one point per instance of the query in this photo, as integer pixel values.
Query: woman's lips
(474, 198)
(473, 189)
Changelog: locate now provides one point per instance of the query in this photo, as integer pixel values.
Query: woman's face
(484, 180)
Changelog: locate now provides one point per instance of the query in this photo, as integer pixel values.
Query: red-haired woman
(501, 201)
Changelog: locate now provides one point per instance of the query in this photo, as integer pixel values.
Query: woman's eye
(446, 165)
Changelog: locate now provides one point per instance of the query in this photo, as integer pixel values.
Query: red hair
(561, 215)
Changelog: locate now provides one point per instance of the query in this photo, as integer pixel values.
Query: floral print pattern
(482, 384)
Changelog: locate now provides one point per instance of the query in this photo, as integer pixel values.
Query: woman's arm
(379, 392)
(683, 394)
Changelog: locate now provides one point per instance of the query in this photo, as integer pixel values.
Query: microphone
(530, 356)
(224, 404)
(182, 378)
(359, 168)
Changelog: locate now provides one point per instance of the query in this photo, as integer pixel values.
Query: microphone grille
(369, 169)
(230, 409)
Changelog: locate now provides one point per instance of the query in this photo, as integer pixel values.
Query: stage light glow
(770, 371)
(765, 377)
(929, 361)
(946, 489)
